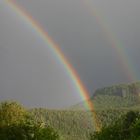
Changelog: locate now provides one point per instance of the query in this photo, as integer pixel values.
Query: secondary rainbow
(73, 75)
(123, 57)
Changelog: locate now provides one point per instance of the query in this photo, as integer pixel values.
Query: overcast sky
(30, 73)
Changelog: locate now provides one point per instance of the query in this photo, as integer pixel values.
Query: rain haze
(32, 74)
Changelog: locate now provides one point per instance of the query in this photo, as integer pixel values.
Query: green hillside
(18, 123)
(72, 125)
(76, 123)
(110, 104)
(114, 97)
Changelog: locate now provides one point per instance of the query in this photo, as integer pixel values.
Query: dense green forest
(127, 127)
(78, 125)
(112, 106)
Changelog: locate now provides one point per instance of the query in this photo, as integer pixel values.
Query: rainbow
(114, 41)
(73, 75)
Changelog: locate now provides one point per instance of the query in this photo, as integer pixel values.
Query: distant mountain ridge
(114, 97)
(122, 90)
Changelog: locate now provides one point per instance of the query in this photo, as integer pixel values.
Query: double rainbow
(73, 75)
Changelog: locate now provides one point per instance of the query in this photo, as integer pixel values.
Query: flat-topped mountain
(115, 97)
(122, 90)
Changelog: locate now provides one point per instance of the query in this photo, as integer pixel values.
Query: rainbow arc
(73, 75)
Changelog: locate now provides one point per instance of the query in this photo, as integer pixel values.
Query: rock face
(114, 97)
(123, 90)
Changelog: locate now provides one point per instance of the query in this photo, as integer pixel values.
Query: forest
(117, 113)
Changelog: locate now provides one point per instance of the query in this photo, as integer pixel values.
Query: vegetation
(125, 128)
(110, 103)
(17, 124)
(114, 97)
(76, 123)
(72, 125)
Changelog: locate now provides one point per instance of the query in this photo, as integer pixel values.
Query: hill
(77, 123)
(114, 97)
(71, 125)
(110, 103)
